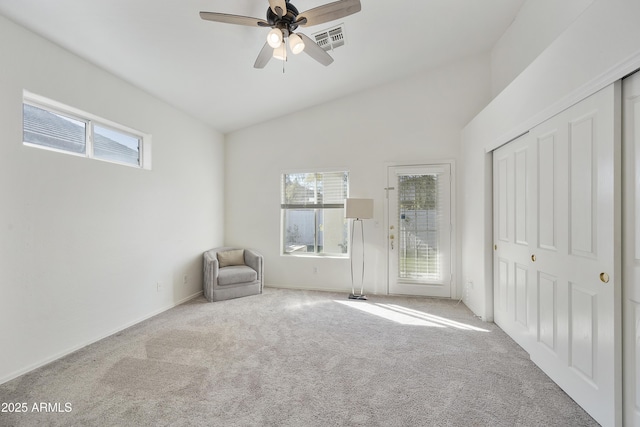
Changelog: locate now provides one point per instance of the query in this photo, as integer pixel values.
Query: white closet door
(557, 262)
(514, 297)
(631, 255)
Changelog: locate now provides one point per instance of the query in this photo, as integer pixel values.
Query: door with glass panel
(419, 230)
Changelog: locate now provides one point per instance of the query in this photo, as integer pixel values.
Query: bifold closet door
(557, 253)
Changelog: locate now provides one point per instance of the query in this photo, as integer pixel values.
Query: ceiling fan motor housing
(287, 22)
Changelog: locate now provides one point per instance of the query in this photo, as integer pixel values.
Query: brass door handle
(391, 237)
(604, 277)
(533, 257)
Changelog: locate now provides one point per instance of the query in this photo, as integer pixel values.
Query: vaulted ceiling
(206, 68)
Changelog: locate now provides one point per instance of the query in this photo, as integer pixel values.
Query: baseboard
(312, 288)
(305, 288)
(73, 349)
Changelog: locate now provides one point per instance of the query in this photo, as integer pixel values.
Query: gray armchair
(232, 273)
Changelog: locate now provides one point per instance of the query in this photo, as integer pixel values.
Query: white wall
(412, 121)
(537, 24)
(601, 46)
(83, 242)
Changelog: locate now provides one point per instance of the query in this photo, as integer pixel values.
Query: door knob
(533, 257)
(391, 237)
(604, 277)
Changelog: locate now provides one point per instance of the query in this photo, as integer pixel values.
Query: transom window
(53, 126)
(312, 209)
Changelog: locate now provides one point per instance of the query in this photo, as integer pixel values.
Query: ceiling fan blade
(315, 51)
(234, 19)
(278, 4)
(264, 56)
(329, 12)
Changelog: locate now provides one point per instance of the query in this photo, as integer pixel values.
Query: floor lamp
(357, 210)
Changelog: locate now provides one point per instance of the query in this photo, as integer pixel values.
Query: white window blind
(317, 190)
(54, 126)
(53, 130)
(420, 216)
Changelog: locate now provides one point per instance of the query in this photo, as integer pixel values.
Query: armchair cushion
(236, 274)
(232, 257)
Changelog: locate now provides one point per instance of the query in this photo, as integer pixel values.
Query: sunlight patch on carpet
(407, 316)
(392, 315)
(441, 320)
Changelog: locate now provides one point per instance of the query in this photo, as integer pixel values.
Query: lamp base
(357, 296)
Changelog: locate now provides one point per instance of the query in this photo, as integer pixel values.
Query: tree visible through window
(312, 207)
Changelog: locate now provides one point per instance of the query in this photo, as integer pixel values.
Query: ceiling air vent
(331, 38)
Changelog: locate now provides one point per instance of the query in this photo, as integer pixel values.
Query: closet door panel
(547, 191)
(514, 309)
(558, 270)
(631, 249)
(582, 197)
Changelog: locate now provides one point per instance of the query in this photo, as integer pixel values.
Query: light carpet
(298, 358)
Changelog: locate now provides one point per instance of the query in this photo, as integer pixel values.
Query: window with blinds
(419, 214)
(53, 126)
(312, 210)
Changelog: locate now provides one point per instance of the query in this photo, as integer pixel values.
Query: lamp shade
(358, 208)
(296, 44)
(280, 52)
(274, 38)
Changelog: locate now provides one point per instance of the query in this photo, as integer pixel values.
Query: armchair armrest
(210, 268)
(255, 261)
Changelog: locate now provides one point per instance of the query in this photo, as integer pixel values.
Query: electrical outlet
(185, 279)
(315, 270)
(158, 287)
(468, 287)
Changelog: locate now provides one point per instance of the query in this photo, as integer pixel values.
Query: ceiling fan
(283, 18)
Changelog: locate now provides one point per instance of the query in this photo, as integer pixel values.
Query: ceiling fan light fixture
(296, 44)
(283, 18)
(274, 38)
(280, 52)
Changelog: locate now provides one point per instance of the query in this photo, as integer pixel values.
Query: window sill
(312, 255)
